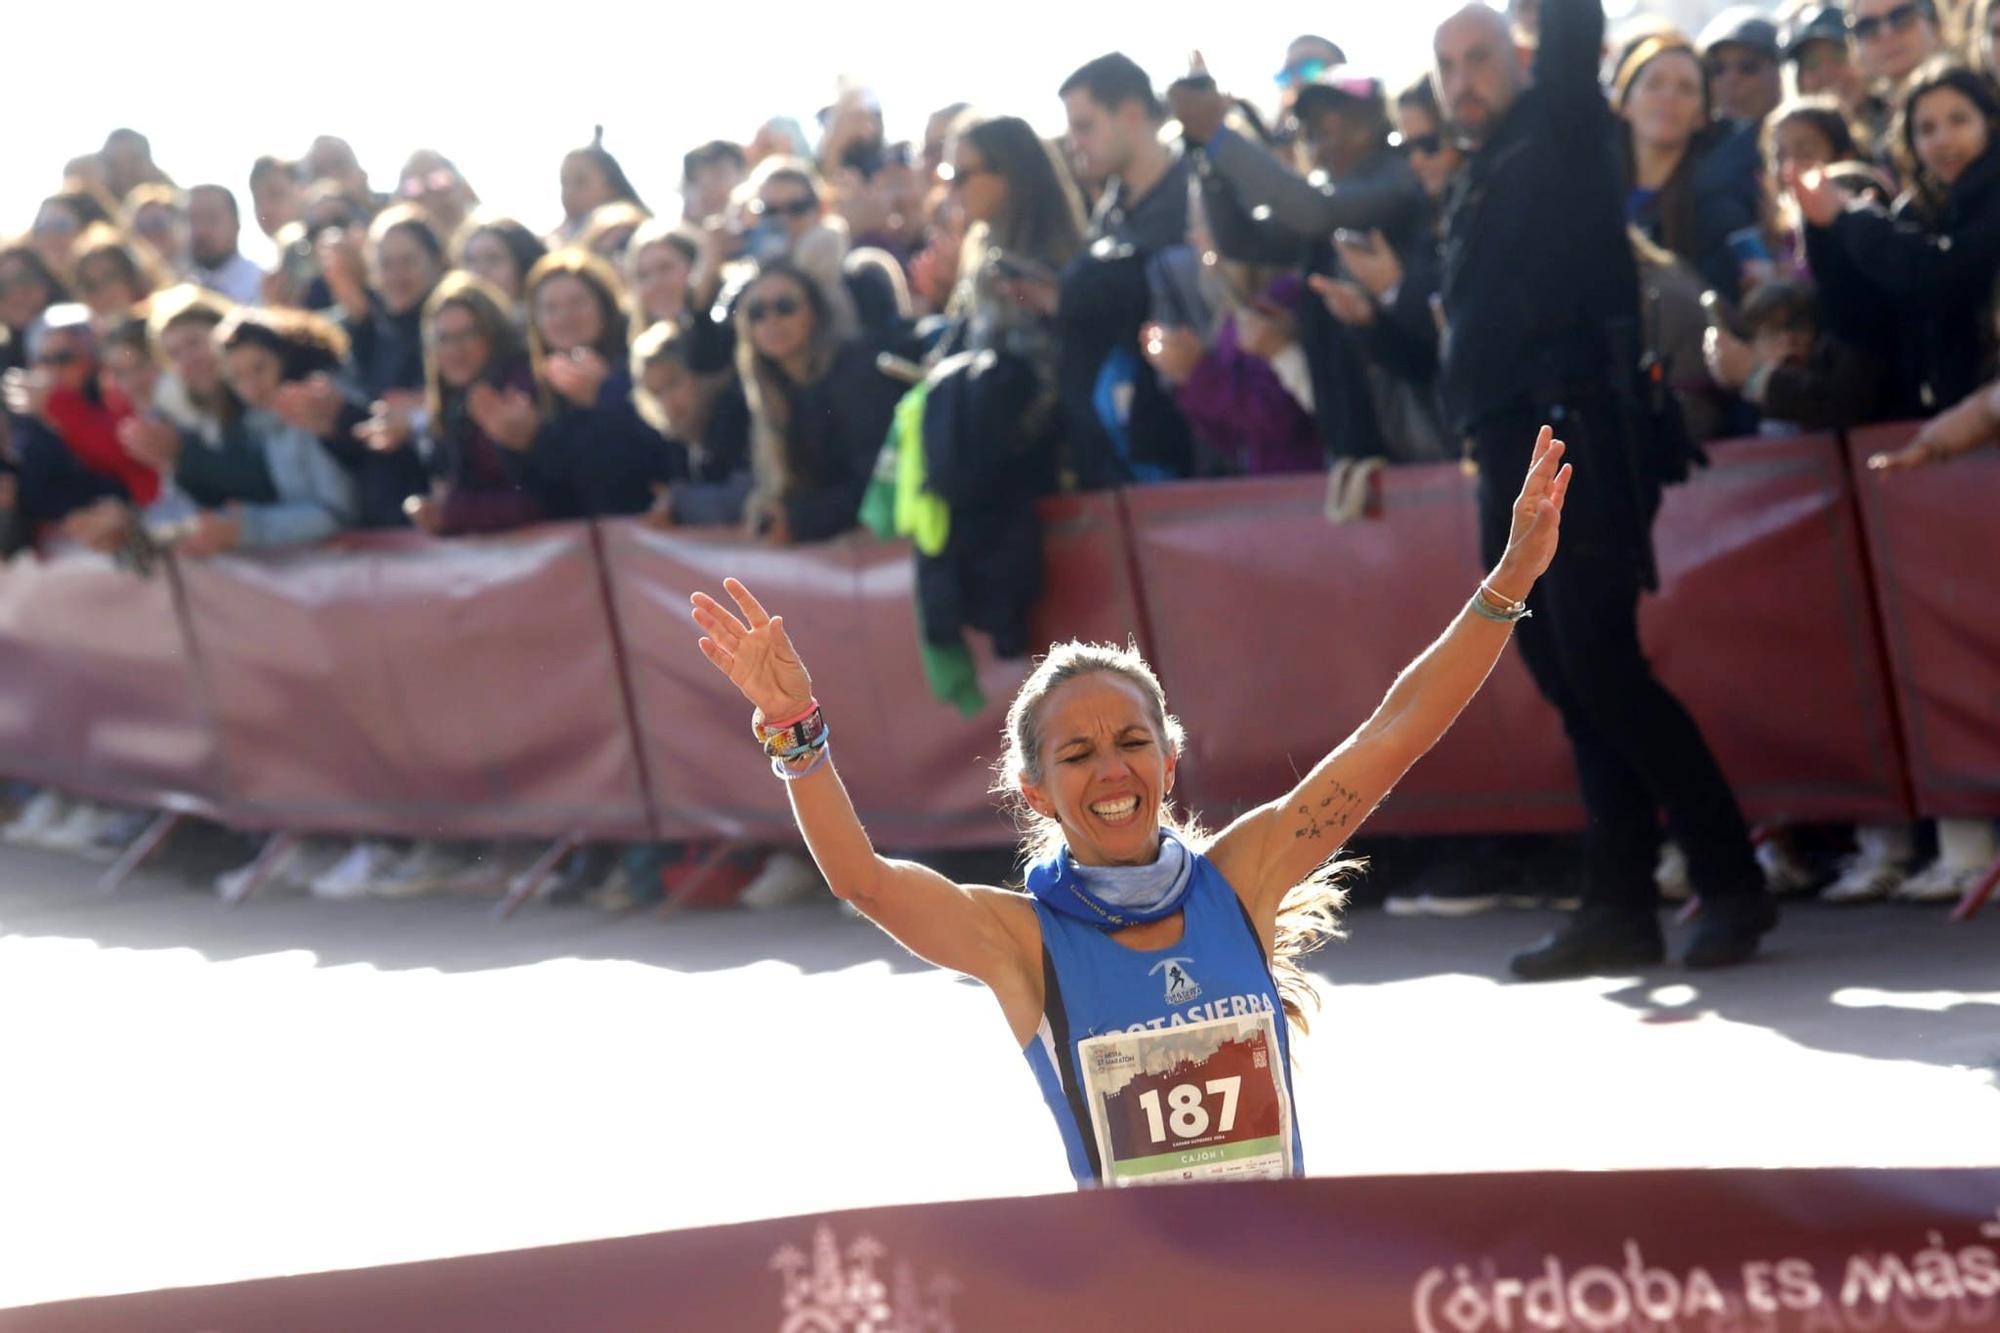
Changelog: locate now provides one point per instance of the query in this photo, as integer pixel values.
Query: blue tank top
(1094, 985)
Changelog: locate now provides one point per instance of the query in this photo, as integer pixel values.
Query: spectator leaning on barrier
(381, 288)
(265, 353)
(1541, 298)
(502, 251)
(591, 453)
(473, 356)
(819, 409)
(65, 428)
(1917, 279)
(705, 411)
(195, 432)
(1797, 376)
(1693, 184)
(1121, 425)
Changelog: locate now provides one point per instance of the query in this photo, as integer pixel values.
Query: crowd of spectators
(1186, 284)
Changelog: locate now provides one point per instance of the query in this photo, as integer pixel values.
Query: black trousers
(1638, 751)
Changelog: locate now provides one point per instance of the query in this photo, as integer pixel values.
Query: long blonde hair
(1309, 913)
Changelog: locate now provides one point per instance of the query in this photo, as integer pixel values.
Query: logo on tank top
(1181, 985)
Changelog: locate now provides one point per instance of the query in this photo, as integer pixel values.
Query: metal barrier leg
(1976, 896)
(699, 877)
(534, 881)
(260, 869)
(139, 852)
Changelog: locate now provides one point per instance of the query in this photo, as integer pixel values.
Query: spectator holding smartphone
(1927, 263)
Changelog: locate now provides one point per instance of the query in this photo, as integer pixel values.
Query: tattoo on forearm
(1332, 815)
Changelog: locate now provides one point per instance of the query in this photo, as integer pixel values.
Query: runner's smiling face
(1105, 770)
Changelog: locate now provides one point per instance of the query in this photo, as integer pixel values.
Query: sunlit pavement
(190, 1094)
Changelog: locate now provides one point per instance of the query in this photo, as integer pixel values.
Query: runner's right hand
(757, 656)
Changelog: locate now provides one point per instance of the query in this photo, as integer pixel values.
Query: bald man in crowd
(1540, 304)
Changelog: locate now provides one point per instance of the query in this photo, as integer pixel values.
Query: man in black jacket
(1541, 303)
(1107, 291)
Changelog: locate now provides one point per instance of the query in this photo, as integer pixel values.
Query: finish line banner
(1662, 1252)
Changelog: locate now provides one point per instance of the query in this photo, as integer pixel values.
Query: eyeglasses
(794, 208)
(1899, 19)
(1428, 144)
(1746, 66)
(1291, 76)
(784, 307)
(58, 359)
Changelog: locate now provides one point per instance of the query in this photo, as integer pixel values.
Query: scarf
(1108, 896)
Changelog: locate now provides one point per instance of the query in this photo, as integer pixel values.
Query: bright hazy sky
(475, 83)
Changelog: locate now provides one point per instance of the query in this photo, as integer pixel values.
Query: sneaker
(786, 878)
(1862, 878)
(44, 811)
(81, 831)
(429, 867)
(1672, 874)
(365, 864)
(1939, 883)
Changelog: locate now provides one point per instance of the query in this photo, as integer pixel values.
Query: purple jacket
(1236, 406)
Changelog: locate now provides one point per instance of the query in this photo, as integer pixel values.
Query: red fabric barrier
(96, 691)
(1934, 543)
(1279, 632)
(1707, 1250)
(917, 771)
(397, 685)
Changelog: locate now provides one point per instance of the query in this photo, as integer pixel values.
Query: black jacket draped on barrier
(980, 461)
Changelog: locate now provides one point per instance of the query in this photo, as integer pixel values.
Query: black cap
(1740, 25)
(1818, 23)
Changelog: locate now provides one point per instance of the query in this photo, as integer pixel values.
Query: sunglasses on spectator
(1746, 66)
(796, 208)
(61, 222)
(1291, 76)
(784, 307)
(59, 359)
(1899, 19)
(1427, 144)
(439, 180)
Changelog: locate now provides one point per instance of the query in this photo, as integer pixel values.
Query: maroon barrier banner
(1690, 1252)
(918, 771)
(1278, 632)
(1934, 541)
(96, 691)
(397, 685)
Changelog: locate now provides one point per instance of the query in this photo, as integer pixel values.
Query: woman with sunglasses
(1891, 38)
(819, 408)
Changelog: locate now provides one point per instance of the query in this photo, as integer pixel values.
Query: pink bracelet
(779, 724)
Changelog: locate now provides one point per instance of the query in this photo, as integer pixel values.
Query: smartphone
(1019, 268)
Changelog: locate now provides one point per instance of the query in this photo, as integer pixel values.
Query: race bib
(1201, 1102)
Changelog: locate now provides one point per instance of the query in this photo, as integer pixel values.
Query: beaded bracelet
(786, 774)
(792, 737)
